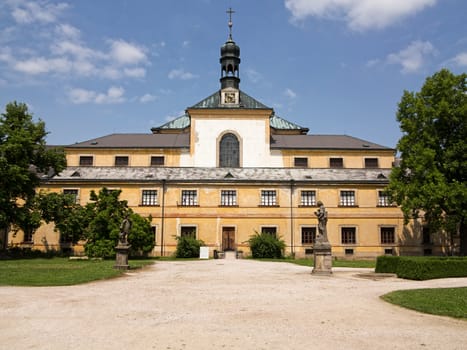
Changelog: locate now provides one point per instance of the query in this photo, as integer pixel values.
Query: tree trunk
(463, 237)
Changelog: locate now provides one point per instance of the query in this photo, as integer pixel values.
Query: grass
(59, 271)
(450, 302)
(335, 263)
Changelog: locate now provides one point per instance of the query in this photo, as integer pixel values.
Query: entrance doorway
(228, 238)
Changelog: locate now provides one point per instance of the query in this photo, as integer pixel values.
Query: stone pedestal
(121, 261)
(322, 259)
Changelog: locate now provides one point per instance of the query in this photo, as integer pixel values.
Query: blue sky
(90, 68)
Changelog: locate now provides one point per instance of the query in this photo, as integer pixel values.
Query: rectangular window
(426, 236)
(27, 238)
(348, 235)
(383, 199)
(121, 161)
(308, 198)
(308, 235)
(336, 162)
(300, 162)
(188, 231)
(268, 198)
(347, 199)
(157, 160)
(189, 198)
(85, 160)
(388, 235)
(72, 193)
(154, 231)
(371, 163)
(149, 197)
(270, 230)
(228, 198)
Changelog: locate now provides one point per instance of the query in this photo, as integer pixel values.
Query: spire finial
(230, 11)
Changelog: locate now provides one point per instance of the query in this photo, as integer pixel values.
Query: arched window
(229, 151)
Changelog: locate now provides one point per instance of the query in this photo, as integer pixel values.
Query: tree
(431, 179)
(23, 156)
(104, 216)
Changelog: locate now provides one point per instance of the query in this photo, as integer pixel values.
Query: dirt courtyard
(224, 304)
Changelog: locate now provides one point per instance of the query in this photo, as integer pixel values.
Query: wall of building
(249, 216)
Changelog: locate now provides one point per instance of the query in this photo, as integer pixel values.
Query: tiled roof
(214, 101)
(181, 140)
(323, 142)
(222, 175)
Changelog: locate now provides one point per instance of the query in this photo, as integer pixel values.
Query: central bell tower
(230, 62)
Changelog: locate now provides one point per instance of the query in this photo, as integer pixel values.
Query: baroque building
(230, 167)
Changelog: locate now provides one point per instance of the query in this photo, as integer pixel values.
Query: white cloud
(41, 65)
(68, 31)
(147, 98)
(460, 59)
(25, 12)
(113, 95)
(123, 52)
(412, 58)
(181, 74)
(290, 93)
(358, 14)
(253, 75)
(135, 72)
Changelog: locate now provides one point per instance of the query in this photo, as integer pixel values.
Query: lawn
(59, 271)
(450, 302)
(335, 263)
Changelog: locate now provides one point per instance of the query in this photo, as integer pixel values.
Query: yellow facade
(230, 167)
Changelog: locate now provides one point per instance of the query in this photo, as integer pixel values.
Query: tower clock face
(229, 97)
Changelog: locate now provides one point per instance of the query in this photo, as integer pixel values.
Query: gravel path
(224, 304)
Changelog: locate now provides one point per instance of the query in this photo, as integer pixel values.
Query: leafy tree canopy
(431, 178)
(23, 155)
(98, 222)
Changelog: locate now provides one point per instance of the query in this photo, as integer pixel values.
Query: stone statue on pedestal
(322, 215)
(122, 248)
(322, 256)
(125, 228)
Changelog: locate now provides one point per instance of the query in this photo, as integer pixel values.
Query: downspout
(291, 220)
(163, 216)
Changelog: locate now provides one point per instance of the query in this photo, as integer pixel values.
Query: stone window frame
(86, 160)
(383, 240)
(183, 230)
(189, 198)
(308, 201)
(229, 198)
(268, 198)
(347, 241)
(309, 240)
(155, 160)
(151, 199)
(347, 201)
(122, 160)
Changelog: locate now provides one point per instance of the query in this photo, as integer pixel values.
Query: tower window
(229, 151)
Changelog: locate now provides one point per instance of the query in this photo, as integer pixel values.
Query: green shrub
(188, 247)
(387, 264)
(103, 248)
(265, 245)
(423, 268)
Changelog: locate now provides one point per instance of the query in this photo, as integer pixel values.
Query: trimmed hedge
(422, 268)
